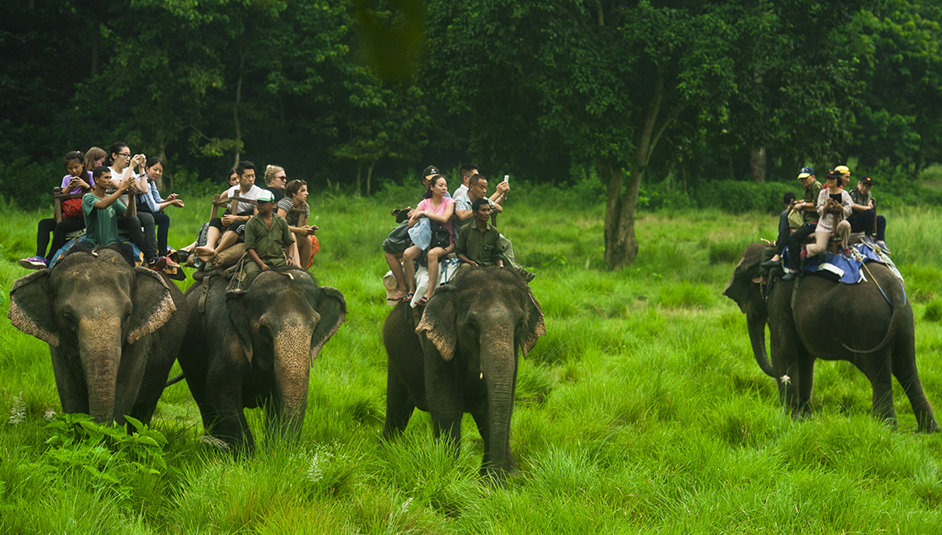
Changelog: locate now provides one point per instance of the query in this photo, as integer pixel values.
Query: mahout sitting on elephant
(255, 349)
(459, 354)
(113, 330)
(869, 324)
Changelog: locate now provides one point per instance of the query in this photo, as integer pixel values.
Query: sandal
(422, 301)
(408, 297)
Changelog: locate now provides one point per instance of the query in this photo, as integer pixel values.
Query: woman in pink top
(438, 209)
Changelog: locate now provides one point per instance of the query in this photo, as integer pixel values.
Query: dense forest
(355, 92)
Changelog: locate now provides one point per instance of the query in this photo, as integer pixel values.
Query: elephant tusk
(481, 376)
(95, 254)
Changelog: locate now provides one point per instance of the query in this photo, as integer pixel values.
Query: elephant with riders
(869, 324)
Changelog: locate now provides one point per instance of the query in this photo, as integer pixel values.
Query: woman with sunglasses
(275, 181)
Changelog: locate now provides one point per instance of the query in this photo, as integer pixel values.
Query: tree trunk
(621, 245)
(235, 111)
(369, 176)
(359, 175)
(758, 165)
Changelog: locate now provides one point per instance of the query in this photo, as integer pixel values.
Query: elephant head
(280, 325)
(482, 319)
(95, 311)
(745, 288)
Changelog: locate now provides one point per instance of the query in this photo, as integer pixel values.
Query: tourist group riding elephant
(459, 356)
(113, 330)
(869, 324)
(255, 349)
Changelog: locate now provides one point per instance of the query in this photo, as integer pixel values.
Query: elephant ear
(535, 327)
(438, 321)
(31, 309)
(332, 309)
(740, 287)
(153, 304)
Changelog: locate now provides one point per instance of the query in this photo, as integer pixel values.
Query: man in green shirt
(266, 237)
(105, 213)
(479, 244)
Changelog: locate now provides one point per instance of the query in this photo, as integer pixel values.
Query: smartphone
(506, 178)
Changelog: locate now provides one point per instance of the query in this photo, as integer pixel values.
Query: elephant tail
(175, 380)
(890, 333)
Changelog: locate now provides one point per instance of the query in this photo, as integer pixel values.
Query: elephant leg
(399, 407)
(224, 395)
(447, 425)
(805, 384)
(785, 359)
(878, 370)
(904, 368)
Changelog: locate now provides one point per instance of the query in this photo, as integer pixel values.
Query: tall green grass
(641, 410)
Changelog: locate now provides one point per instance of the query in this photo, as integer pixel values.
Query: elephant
(113, 330)
(832, 321)
(459, 355)
(255, 349)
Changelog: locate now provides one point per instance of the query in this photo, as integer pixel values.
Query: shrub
(933, 311)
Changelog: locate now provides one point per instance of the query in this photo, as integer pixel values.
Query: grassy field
(641, 410)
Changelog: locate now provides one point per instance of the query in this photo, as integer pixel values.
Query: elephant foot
(930, 426)
(496, 477)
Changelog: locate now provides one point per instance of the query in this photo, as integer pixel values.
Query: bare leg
(408, 262)
(207, 252)
(228, 240)
(433, 256)
(304, 250)
(396, 268)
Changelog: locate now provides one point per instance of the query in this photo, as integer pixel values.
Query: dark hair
(71, 157)
(789, 197)
(480, 201)
(475, 179)
(114, 149)
(98, 171)
(431, 183)
(467, 170)
(294, 187)
(243, 165)
(152, 161)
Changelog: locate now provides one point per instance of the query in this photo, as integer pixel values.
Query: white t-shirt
(116, 180)
(252, 194)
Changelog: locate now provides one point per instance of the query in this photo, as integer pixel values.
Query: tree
(610, 79)
(899, 122)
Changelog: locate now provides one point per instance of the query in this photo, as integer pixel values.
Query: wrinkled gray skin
(113, 331)
(460, 356)
(833, 321)
(256, 350)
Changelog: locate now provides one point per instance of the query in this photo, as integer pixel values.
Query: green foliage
(933, 311)
(112, 457)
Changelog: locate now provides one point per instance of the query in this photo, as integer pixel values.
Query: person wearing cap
(808, 208)
(865, 213)
(845, 175)
(266, 237)
(784, 229)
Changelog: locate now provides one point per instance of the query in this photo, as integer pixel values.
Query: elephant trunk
(756, 325)
(292, 346)
(99, 341)
(499, 366)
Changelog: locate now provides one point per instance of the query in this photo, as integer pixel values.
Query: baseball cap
(867, 180)
(265, 196)
(431, 170)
